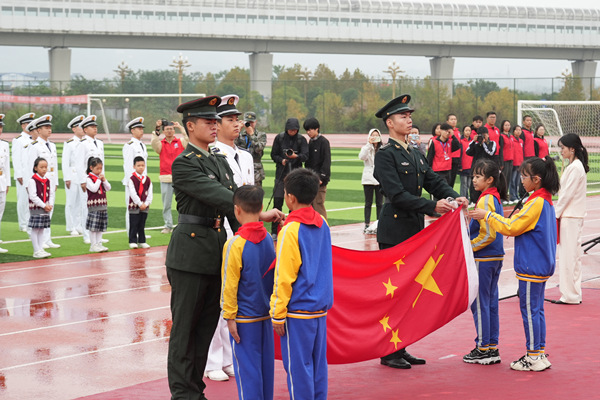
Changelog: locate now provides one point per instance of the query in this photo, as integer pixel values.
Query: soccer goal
(562, 117)
(114, 111)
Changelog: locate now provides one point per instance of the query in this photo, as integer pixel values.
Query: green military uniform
(203, 186)
(255, 144)
(402, 173)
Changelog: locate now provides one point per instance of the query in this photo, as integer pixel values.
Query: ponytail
(488, 168)
(546, 170)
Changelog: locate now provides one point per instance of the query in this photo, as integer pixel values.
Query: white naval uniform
(4, 175)
(219, 352)
(73, 193)
(18, 153)
(87, 148)
(131, 150)
(46, 150)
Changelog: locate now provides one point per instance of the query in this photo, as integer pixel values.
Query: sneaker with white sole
(41, 254)
(229, 370)
(96, 248)
(545, 360)
(494, 356)
(3, 250)
(53, 245)
(477, 356)
(527, 363)
(86, 241)
(104, 240)
(144, 245)
(45, 246)
(216, 375)
(133, 245)
(74, 233)
(166, 231)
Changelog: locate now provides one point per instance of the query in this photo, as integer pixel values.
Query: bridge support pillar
(442, 69)
(60, 66)
(586, 70)
(261, 74)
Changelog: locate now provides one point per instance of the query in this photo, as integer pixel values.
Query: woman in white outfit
(370, 184)
(570, 210)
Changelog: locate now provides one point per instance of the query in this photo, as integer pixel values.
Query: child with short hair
(303, 288)
(140, 198)
(488, 249)
(97, 219)
(41, 202)
(245, 293)
(534, 228)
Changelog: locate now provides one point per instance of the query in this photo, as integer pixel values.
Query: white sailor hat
(1, 119)
(135, 123)
(44, 120)
(26, 118)
(228, 105)
(88, 121)
(75, 121)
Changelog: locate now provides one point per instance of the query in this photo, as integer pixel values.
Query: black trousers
(278, 204)
(195, 311)
(369, 190)
(137, 224)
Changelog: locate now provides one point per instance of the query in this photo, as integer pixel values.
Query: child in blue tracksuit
(245, 291)
(534, 228)
(488, 249)
(303, 289)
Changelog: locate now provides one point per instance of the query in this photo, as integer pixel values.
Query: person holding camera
(480, 148)
(414, 140)
(167, 149)
(289, 151)
(254, 142)
(370, 184)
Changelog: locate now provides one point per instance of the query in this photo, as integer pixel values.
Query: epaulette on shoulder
(5, 141)
(34, 142)
(385, 146)
(70, 140)
(220, 155)
(215, 150)
(189, 155)
(82, 140)
(130, 142)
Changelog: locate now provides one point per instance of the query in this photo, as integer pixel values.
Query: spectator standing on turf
(528, 142)
(254, 141)
(540, 144)
(69, 168)
(167, 149)
(516, 189)
(319, 160)
(414, 140)
(456, 154)
(4, 173)
(494, 133)
(480, 148)
(370, 184)
(476, 124)
(22, 176)
(506, 144)
(466, 162)
(440, 153)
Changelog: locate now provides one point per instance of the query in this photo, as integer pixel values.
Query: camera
(247, 124)
(289, 152)
(164, 122)
(479, 138)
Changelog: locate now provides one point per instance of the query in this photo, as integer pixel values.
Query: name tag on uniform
(51, 169)
(405, 164)
(211, 176)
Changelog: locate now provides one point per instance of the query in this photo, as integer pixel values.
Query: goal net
(114, 111)
(562, 117)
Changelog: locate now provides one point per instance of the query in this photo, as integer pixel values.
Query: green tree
(572, 88)
(503, 102)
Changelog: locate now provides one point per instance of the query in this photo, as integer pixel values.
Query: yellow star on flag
(384, 321)
(399, 263)
(389, 287)
(395, 339)
(425, 278)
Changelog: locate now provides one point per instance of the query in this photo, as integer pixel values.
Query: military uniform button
(395, 215)
(193, 234)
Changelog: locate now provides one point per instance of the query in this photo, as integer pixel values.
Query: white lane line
(109, 292)
(82, 354)
(85, 321)
(80, 277)
(104, 258)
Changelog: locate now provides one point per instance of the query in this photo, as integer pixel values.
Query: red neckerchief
(492, 190)
(94, 178)
(141, 178)
(43, 181)
(543, 193)
(305, 215)
(253, 231)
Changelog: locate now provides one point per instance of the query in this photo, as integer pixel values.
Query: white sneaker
(216, 375)
(104, 240)
(148, 236)
(53, 245)
(229, 370)
(545, 360)
(41, 254)
(133, 245)
(3, 250)
(95, 248)
(45, 246)
(166, 230)
(46, 253)
(103, 249)
(144, 246)
(86, 241)
(74, 232)
(527, 363)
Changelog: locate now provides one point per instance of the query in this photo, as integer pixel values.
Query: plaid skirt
(97, 221)
(39, 221)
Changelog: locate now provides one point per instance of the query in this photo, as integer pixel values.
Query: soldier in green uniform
(403, 173)
(254, 141)
(203, 186)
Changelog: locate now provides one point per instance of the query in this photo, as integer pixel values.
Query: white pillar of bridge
(261, 74)
(442, 69)
(60, 66)
(586, 70)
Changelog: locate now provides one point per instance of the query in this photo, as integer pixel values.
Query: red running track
(97, 327)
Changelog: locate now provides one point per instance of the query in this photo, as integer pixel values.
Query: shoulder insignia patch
(188, 155)
(83, 140)
(131, 141)
(70, 140)
(5, 141)
(405, 164)
(34, 142)
(385, 146)
(199, 155)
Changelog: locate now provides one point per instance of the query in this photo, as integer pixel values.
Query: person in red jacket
(516, 187)
(466, 162)
(528, 147)
(540, 144)
(440, 152)
(494, 135)
(456, 155)
(507, 151)
(168, 149)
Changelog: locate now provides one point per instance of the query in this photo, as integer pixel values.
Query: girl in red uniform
(41, 203)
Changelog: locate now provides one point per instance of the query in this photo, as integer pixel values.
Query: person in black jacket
(289, 151)
(480, 148)
(319, 160)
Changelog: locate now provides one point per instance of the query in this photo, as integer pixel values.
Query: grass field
(344, 204)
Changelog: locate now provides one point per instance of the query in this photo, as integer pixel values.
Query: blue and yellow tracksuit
(302, 294)
(245, 291)
(534, 228)
(488, 249)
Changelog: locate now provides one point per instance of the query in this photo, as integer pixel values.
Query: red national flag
(385, 300)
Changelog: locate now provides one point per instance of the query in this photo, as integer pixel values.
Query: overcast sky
(100, 63)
